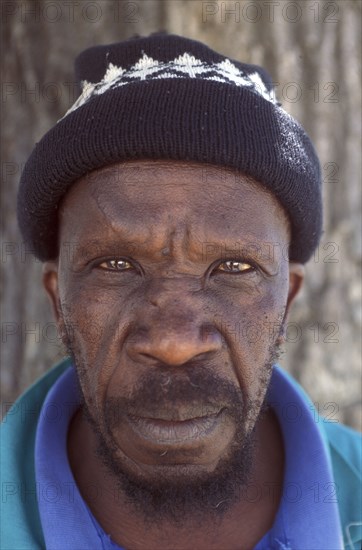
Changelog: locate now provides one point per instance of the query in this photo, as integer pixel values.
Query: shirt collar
(66, 519)
(308, 516)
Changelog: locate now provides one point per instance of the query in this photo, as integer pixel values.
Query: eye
(235, 266)
(116, 265)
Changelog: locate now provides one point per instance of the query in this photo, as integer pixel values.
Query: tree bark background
(312, 50)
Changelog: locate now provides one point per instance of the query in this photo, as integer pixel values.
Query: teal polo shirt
(319, 509)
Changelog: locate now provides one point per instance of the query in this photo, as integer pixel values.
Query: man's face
(171, 287)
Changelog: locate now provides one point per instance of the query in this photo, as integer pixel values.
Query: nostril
(169, 345)
(172, 353)
(149, 358)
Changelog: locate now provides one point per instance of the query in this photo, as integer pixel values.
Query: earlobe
(50, 283)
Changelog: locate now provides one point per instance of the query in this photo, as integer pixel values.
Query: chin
(174, 489)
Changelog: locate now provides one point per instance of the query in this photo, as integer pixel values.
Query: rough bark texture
(311, 48)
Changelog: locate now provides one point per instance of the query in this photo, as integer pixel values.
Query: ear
(50, 283)
(296, 279)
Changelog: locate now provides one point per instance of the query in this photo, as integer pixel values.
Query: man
(174, 207)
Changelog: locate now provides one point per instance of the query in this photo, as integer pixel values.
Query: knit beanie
(169, 97)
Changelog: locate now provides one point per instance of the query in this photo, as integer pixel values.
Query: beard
(175, 494)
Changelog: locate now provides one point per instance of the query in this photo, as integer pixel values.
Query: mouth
(171, 431)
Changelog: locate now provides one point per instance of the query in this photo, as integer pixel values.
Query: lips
(165, 431)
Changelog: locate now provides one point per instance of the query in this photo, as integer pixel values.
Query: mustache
(175, 397)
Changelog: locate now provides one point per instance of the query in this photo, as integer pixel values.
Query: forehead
(156, 194)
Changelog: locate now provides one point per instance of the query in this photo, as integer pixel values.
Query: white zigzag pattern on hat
(184, 66)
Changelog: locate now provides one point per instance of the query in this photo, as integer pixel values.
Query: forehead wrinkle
(185, 236)
(208, 219)
(155, 227)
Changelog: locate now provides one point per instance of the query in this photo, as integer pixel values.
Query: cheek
(94, 312)
(96, 320)
(251, 327)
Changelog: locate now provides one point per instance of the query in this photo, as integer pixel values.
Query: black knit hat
(169, 97)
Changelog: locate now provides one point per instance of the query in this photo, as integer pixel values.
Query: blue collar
(66, 520)
(307, 518)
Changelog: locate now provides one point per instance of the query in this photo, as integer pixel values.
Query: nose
(173, 345)
(173, 326)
